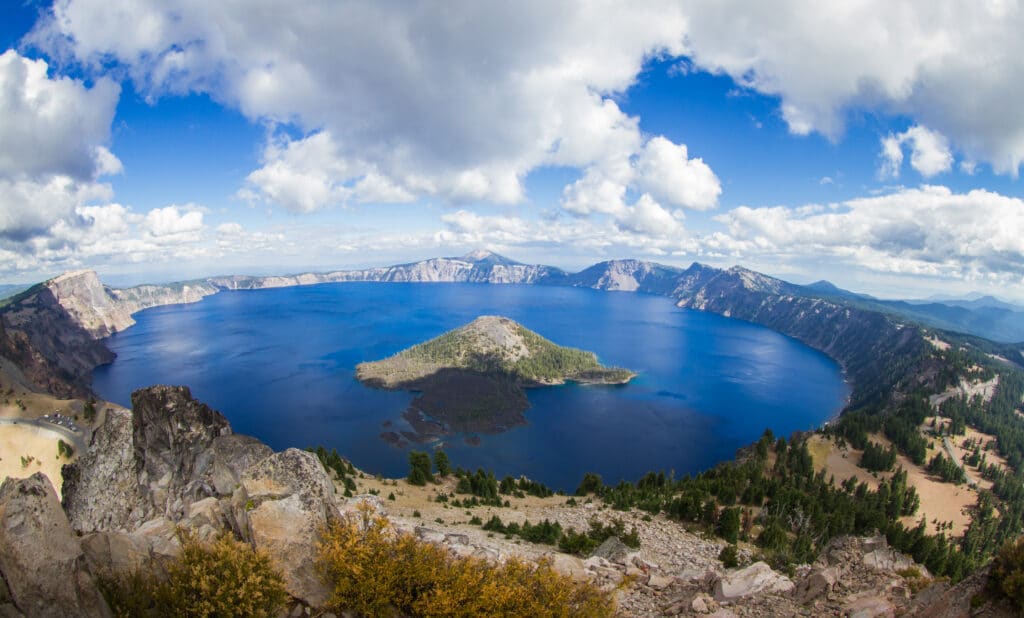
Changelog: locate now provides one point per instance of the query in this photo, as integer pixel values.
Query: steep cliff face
(90, 303)
(50, 344)
(135, 299)
(475, 267)
(877, 353)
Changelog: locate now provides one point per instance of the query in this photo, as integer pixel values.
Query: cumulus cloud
(455, 100)
(929, 152)
(171, 223)
(664, 170)
(660, 172)
(53, 126)
(925, 231)
(956, 68)
(30, 207)
(649, 218)
(52, 151)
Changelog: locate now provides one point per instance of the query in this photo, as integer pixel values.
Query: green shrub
(729, 556)
(1007, 574)
(419, 469)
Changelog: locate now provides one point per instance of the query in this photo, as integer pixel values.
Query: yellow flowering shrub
(375, 570)
(225, 578)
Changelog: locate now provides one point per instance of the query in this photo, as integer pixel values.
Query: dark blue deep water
(280, 365)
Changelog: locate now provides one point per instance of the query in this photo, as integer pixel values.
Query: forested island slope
(492, 345)
(471, 379)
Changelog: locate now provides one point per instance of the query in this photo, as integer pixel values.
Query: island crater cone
(487, 364)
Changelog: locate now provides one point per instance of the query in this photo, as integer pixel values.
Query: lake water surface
(280, 365)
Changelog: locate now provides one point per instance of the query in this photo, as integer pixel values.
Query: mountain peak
(484, 256)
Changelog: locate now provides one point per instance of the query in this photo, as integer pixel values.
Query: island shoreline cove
(280, 363)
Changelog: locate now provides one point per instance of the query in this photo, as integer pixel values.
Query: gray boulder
(285, 501)
(819, 582)
(115, 551)
(232, 455)
(41, 561)
(758, 577)
(612, 550)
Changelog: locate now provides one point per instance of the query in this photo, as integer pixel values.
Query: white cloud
(229, 229)
(52, 134)
(53, 126)
(929, 152)
(664, 170)
(925, 231)
(170, 221)
(957, 68)
(30, 207)
(660, 172)
(301, 175)
(892, 157)
(594, 193)
(459, 102)
(648, 218)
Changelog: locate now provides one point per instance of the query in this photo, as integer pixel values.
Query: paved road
(952, 455)
(77, 439)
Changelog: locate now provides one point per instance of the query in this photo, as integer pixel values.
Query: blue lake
(280, 365)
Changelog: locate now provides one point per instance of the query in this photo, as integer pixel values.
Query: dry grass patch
(27, 449)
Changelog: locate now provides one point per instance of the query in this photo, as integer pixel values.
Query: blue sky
(875, 145)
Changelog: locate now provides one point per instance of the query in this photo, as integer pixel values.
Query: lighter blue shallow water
(280, 365)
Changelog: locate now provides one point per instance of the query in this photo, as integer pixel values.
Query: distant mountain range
(983, 316)
(878, 343)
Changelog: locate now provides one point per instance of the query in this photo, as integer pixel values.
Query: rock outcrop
(173, 435)
(49, 345)
(286, 500)
(751, 580)
(43, 568)
(90, 303)
(101, 489)
(173, 461)
(158, 460)
(627, 276)
(135, 299)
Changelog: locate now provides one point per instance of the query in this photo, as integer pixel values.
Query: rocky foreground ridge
(172, 462)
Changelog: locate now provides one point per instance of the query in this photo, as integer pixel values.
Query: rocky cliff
(90, 303)
(49, 343)
(475, 267)
(174, 462)
(626, 276)
(135, 299)
(879, 354)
